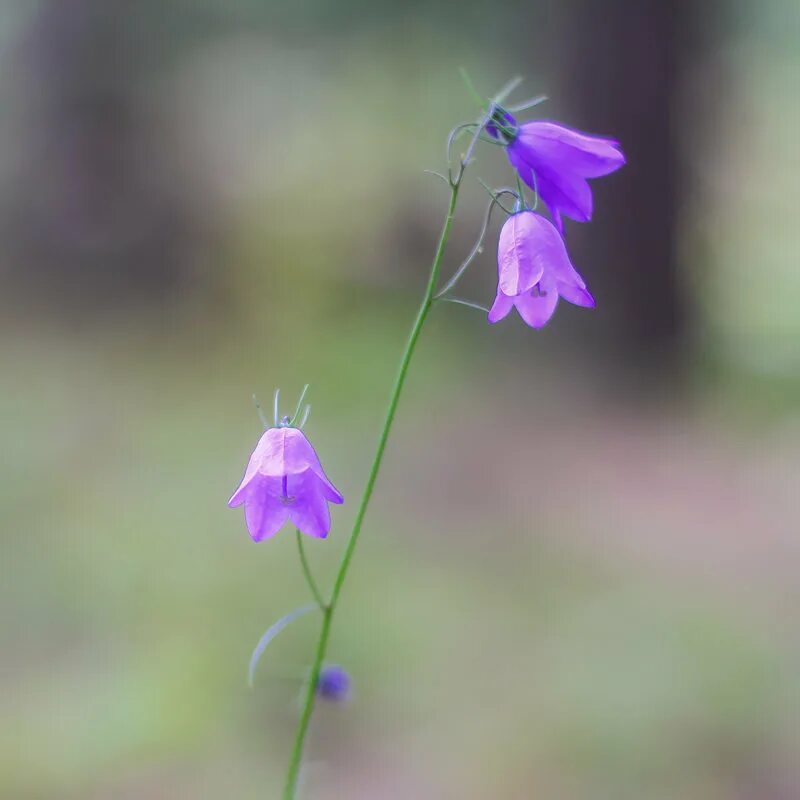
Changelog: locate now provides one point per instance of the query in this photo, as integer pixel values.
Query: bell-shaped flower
(556, 161)
(534, 270)
(284, 481)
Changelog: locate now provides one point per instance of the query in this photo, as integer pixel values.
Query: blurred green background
(579, 575)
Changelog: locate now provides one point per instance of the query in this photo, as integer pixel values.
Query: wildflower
(285, 481)
(333, 683)
(555, 161)
(534, 270)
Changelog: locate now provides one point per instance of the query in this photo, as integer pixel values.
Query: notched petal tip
(500, 308)
(238, 497)
(577, 295)
(313, 530)
(537, 310)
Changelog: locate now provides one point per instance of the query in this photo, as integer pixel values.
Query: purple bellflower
(534, 270)
(555, 162)
(334, 684)
(284, 481)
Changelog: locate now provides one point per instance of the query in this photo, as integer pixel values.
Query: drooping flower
(284, 481)
(333, 683)
(534, 270)
(555, 161)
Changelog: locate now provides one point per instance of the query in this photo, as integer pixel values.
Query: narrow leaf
(271, 633)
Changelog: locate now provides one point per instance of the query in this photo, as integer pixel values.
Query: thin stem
(507, 89)
(437, 175)
(498, 193)
(535, 191)
(312, 584)
(459, 301)
(474, 252)
(260, 412)
(521, 192)
(471, 149)
(492, 142)
(534, 101)
(453, 136)
(299, 405)
(275, 405)
(402, 371)
(471, 87)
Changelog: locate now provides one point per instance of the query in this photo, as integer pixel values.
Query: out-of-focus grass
(490, 654)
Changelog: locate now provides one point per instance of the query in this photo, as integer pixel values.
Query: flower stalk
(329, 609)
(284, 480)
(307, 574)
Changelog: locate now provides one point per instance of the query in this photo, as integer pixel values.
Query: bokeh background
(579, 575)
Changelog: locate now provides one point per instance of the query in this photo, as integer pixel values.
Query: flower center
(537, 291)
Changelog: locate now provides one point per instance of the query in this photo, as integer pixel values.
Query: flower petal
(264, 513)
(563, 192)
(568, 150)
(312, 481)
(306, 457)
(519, 262)
(536, 307)
(310, 513)
(545, 250)
(238, 497)
(327, 488)
(576, 295)
(501, 307)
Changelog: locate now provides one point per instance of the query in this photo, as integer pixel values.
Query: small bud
(502, 126)
(333, 684)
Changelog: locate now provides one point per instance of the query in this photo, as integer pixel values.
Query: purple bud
(333, 684)
(502, 126)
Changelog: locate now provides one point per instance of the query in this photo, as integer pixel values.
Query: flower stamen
(286, 498)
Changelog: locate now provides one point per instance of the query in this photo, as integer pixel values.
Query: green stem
(328, 611)
(312, 584)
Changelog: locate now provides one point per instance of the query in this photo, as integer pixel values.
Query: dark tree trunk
(622, 70)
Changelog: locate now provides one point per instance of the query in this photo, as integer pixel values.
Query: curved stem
(402, 371)
(312, 584)
(453, 136)
(299, 405)
(470, 258)
(276, 400)
(507, 89)
(459, 301)
(260, 412)
(534, 101)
